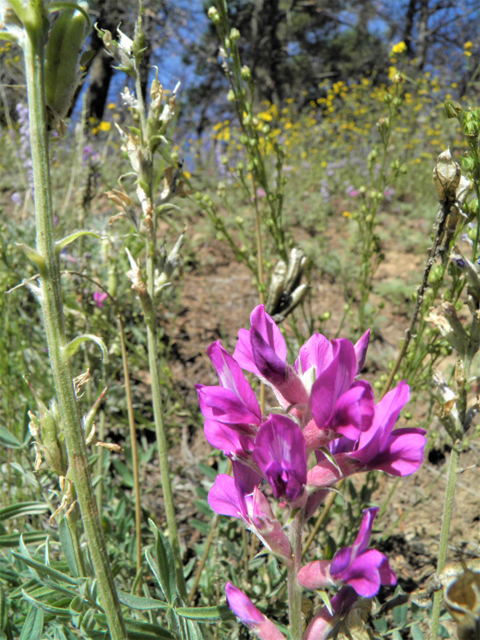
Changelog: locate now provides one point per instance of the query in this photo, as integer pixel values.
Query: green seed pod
(61, 59)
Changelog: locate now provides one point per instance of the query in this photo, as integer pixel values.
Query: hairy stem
(52, 307)
(447, 516)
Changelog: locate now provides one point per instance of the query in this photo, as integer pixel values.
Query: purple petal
(402, 454)
(347, 364)
(315, 575)
(270, 366)
(368, 572)
(231, 377)
(387, 411)
(320, 628)
(222, 405)
(354, 411)
(361, 351)
(316, 352)
(246, 478)
(223, 497)
(280, 454)
(248, 613)
(227, 439)
(263, 324)
(323, 396)
(365, 532)
(243, 353)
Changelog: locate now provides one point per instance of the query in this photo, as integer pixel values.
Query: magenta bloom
(323, 623)
(263, 351)
(280, 454)
(232, 412)
(363, 569)
(323, 373)
(240, 497)
(243, 608)
(99, 297)
(398, 452)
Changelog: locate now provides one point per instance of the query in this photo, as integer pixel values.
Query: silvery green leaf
(72, 347)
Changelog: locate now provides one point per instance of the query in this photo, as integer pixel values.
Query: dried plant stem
(447, 516)
(52, 307)
(432, 255)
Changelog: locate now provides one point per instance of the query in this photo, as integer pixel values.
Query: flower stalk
(50, 297)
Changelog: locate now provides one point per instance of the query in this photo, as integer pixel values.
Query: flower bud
(452, 108)
(234, 35)
(446, 176)
(246, 73)
(214, 15)
(231, 95)
(61, 59)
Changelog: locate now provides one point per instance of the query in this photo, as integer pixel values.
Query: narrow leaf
(206, 614)
(48, 608)
(7, 439)
(23, 509)
(33, 626)
(140, 603)
(46, 571)
(61, 244)
(72, 347)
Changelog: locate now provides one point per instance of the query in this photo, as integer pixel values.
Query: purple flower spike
(364, 570)
(256, 621)
(280, 454)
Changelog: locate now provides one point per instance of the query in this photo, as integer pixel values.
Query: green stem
(160, 433)
(51, 302)
(447, 515)
(294, 588)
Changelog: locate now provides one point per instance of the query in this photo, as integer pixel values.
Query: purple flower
(248, 613)
(352, 192)
(321, 626)
(229, 408)
(398, 452)
(99, 297)
(363, 569)
(239, 497)
(280, 454)
(323, 372)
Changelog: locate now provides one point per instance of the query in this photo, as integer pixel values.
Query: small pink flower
(99, 297)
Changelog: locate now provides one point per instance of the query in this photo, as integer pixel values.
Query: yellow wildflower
(105, 126)
(400, 47)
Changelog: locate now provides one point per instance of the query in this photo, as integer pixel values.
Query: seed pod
(61, 59)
